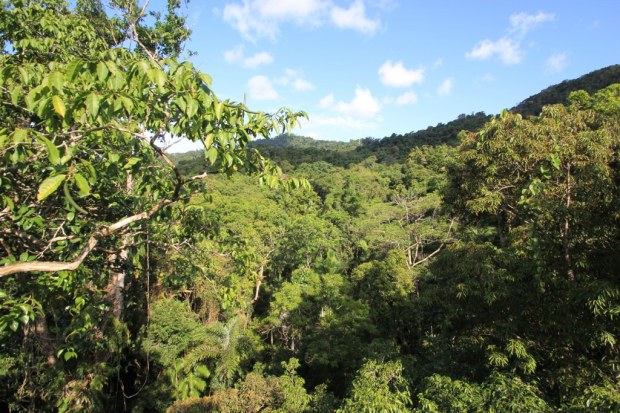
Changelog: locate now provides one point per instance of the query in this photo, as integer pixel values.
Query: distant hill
(296, 150)
(300, 142)
(293, 150)
(396, 148)
(559, 93)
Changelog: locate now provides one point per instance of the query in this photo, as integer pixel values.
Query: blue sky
(375, 67)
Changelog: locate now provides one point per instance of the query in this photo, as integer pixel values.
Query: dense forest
(469, 267)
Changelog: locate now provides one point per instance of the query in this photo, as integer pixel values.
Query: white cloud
(327, 101)
(295, 78)
(237, 55)
(354, 18)
(363, 104)
(407, 98)
(260, 88)
(243, 18)
(445, 88)
(254, 19)
(508, 50)
(258, 59)
(556, 62)
(397, 75)
(302, 85)
(300, 11)
(522, 23)
(234, 55)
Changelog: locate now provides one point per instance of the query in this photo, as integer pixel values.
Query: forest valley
(436, 271)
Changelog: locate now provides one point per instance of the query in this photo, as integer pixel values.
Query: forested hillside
(469, 267)
(560, 93)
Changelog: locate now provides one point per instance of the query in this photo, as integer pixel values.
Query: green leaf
(131, 162)
(71, 201)
(229, 159)
(73, 68)
(16, 94)
(127, 103)
(218, 109)
(206, 78)
(20, 135)
(49, 186)
(202, 371)
(91, 171)
(211, 155)
(52, 150)
(59, 106)
(157, 76)
(192, 106)
(181, 103)
(69, 354)
(42, 107)
(82, 184)
(102, 71)
(57, 80)
(92, 104)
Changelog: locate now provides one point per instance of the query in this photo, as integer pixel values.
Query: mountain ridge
(293, 149)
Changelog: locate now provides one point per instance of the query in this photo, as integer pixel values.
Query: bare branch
(429, 255)
(55, 266)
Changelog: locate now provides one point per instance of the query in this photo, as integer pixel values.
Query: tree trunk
(119, 265)
(565, 232)
(116, 284)
(41, 335)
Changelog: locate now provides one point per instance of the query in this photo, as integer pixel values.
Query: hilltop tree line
(478, 272)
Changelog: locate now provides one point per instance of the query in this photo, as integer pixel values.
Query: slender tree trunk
(567, 254)
(39, 331)
(119, 265)
(116, 284)
(259, 281)
(565, 232)
(570, 272)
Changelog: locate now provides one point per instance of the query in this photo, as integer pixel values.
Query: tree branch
(429, 255)
(55, 266)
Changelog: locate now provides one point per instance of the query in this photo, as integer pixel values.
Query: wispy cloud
(327, 101)
(522, 23)
(556, 62)
(260, 88)
(302, 85)
(407, 98)
(445, 88)
(395, 74)
(508, 48)
(295, 78)
(243, 18)
(354, 18)
(255, 19)
(237, 55)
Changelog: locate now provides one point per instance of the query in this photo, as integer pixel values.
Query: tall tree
(86, 116)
